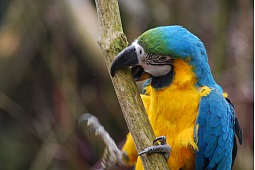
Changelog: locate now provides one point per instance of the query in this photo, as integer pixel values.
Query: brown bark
(112, 41)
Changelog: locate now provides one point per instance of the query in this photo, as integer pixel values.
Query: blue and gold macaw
(182, 100)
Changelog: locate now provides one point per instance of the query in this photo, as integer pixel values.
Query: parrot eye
(140, 51)
(162, 58)
(159, 60)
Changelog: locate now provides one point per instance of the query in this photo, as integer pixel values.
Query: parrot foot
(112, 156)
(163, 148)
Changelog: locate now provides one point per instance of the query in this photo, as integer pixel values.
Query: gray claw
(161, 139)
(163, 148)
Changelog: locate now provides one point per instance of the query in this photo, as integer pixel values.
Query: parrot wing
(146, 83)
(215, 132)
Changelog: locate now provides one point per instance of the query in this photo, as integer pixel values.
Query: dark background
(52, 71)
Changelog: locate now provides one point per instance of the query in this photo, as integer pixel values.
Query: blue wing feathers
(215, 133)
(211, 147)
(225, 135)
(220, 152)
(146, 83)
(215, 121)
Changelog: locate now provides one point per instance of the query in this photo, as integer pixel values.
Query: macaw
(182, 100)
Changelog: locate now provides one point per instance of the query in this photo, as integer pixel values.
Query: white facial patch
(154, 65)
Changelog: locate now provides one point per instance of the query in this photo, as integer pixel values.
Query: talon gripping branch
(182, 100)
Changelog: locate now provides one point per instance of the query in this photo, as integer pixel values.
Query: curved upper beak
(125, 58)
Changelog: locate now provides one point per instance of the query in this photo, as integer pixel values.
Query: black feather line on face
(163, 81)
(149, 57)
(158, 60)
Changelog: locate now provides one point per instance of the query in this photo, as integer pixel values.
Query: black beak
(125, 58)
(139, 73)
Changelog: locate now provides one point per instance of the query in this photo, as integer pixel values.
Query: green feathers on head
(174, 41)
(153, 41)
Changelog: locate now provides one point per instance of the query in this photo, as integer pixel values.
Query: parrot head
(153, 54)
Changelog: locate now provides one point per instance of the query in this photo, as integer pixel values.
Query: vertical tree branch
(112, 41)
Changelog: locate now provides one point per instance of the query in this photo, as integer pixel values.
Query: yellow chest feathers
(172, 112)
(177, 102)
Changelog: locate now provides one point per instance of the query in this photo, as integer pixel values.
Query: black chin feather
(163, 81)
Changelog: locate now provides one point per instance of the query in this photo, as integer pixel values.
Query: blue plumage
(215, 119)
(176, 61)
(215, 133)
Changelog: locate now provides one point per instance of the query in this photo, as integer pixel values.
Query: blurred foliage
(52, 71)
